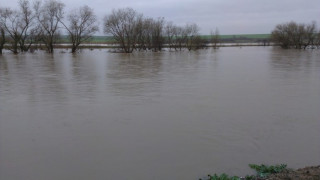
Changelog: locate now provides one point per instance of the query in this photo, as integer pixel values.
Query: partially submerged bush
(264, 170)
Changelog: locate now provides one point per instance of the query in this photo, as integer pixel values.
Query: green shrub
(264, 170)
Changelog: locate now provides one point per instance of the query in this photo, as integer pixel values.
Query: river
(157, 115)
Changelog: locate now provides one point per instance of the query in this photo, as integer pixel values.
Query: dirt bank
(307, 173)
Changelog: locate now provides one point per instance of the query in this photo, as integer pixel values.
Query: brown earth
(307, 173)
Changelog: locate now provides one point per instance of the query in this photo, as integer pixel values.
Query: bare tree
(11, 23)
(215, 38)
(124, 25)
(27, 17)
(280, 35)
(191, 35)
(2, 38)
(150, 34)
(144, 38)
(317, 40)
(157, 34)
(2, 33)
(49, 15)
(81, 26)
(310, 35)
(18, 24)
(293, 35)
(179, 38)
(169, 33)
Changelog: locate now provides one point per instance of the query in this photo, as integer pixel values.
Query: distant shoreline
(110, 45)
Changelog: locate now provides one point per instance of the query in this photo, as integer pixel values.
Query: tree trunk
(74, 49)
(3, 40)
(50, 48)
(15, 47)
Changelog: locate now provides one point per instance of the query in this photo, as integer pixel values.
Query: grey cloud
(230, 16)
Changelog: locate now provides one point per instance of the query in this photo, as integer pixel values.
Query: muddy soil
(307, 173)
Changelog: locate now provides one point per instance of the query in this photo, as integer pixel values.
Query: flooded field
(166, 115)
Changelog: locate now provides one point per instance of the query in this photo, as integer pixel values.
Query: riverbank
(112, 45)
(277, 172)
(306, 173)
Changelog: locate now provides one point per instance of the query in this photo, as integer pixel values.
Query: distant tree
(169, 33)
(179, 37)
(2, 38)
(310, 35)
(183, 37)
(150, 34)
(132, 31)
(49, 15)
(191, 36)
(157, 34)
(144, 34)
(317, 41)
(215, 38)
(81, 26)
(125, 26)
(293, 35)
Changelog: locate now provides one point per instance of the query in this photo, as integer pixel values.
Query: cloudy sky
(229, 16)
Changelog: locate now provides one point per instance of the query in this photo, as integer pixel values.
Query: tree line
(41, 23)
(133, 31)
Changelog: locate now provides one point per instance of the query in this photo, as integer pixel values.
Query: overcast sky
(229, 16)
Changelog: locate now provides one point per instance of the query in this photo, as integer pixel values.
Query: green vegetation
(262, 172)
(241, 36)
(222, 177)
(248, 36)
(93, 40)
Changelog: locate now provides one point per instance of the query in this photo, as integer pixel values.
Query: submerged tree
(193, 39)
(2, 39)
(317, 41)
(10, 22)
(169, 30)
(215, 38)
(179, 37)
(81, 26)
(124, 25)
(18, 25)
(49, 15)
(150, 34)
(131, 31)
(30, 28)
(157, 34)
(183, 37)
(293, 35)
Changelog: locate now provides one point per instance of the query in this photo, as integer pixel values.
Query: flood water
(166, 115)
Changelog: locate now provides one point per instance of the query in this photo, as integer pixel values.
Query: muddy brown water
(166, 115)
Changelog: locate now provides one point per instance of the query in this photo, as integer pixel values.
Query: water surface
(165, 115)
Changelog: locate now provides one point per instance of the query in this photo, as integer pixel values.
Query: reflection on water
(165, 115)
